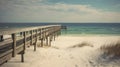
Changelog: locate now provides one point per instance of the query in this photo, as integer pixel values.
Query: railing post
(21, 33)
(24, 34)
(39, 34)
(54, 34)
(1, 38)
(22, 56)
(42, 42)
(31, 37)
(42, 36)
(46, 41)
(22, 53)
(36, 40)
(14, 44)
(50, 39)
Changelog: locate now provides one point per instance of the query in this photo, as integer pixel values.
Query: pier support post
(1, 38)
(54, 36)
(21, 33)
(41, 42)
(14, 44)
(39, 34)
(46, 41)
(24, 34)
(41, 37)
(22, 53)
(31, 37)
(22, 56)
(35, 41)
(50, 39)
(43, 33)
(35, 47)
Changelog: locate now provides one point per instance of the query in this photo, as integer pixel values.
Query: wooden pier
(23, 37)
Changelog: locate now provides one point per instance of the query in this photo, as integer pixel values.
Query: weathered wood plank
(19, 49)
(6, 57)
(5, 53)
(5, 42)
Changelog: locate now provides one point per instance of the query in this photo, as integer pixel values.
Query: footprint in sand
(76, 65)
(71, 57)
(92, 63)
(59, 55)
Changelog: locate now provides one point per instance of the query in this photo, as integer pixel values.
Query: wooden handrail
(28, 35)
(17, 30)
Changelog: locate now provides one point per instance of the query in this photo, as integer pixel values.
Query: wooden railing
(23, 37)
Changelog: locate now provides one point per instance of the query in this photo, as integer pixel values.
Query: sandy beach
(66, 51)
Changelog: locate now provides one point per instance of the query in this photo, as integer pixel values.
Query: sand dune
(69, 51)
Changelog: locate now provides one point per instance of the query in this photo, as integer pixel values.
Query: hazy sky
(59, 10)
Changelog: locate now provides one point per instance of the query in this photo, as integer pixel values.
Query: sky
(60, 11)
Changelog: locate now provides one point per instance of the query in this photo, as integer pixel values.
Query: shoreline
(82, 35)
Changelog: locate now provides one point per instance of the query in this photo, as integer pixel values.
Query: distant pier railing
(63, 27)
(23, 37)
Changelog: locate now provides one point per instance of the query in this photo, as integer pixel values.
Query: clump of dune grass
(81, 45)
(111, 49)
(55, 47)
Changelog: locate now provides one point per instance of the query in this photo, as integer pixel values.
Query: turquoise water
(75, 28)
(92, 29)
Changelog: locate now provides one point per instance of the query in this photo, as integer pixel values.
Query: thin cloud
(37, 11)
(74, 8)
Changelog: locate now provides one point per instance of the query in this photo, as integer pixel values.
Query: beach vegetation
(82, 45)
(111, 49)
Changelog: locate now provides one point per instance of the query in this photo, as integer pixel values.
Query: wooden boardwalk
(22, 37)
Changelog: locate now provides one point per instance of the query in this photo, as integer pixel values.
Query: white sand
(61, 55)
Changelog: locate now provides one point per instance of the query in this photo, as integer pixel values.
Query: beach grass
(82, 45)
(111, 49)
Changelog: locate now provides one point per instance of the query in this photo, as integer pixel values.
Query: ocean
(75, 28)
